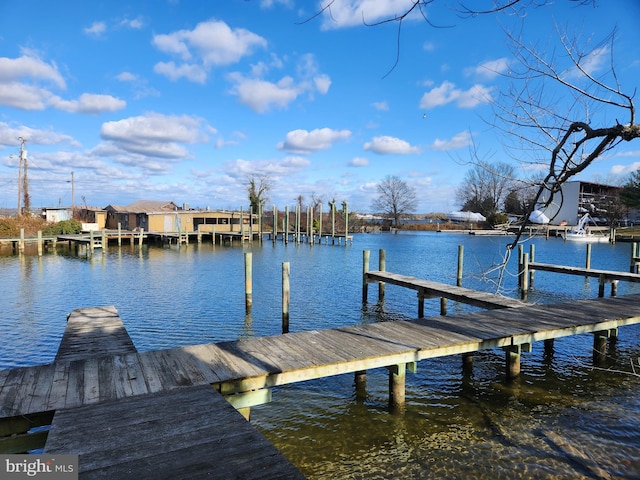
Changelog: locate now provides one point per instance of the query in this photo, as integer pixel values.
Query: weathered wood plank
(92, 332)
(203, 436)
(585, 272)
(452, 292)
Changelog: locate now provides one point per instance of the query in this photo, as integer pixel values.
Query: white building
(577, 198)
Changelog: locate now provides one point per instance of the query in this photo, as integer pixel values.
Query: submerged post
(361, 384)
(460, 262)
(524, 276)
(365, 269)
(286, 296)
(248, 281)
(382, 266)
(397, 380)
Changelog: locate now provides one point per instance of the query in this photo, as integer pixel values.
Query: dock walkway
(428, 288)
(179, 433)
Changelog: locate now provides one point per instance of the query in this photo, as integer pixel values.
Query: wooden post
(213, 236)
(286, 224)
(532, 254)
(382, 266)
(141, 238)
(286, 296)
(248, 281)
(525, 276)
(274, 235)
(421, 303)
(548, 346)
(443, 306)
(298, 219)
(587, 263)
(467, 362)
(520, 253)
(320, 224)
(513, 361)
(614, 288)
(633, 266)
(241, 225)
(601, 282)
(39, 243)
(333, 223)
(120, 235)
(105, 242)
(365, 270)
(21, 242)
(460, 262)
(600, 347)
(345, 210)
(397, 380)
(361, 385)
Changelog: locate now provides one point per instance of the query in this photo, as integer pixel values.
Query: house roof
(144, 206)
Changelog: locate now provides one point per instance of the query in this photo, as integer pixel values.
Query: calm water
(560, 419)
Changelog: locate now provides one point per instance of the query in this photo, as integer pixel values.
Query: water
(561, 419)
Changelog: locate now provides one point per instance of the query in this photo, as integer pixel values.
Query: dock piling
(286, 295)
(248, 281)
(397, 381)
(365, 269)
(382, 266)
(460, 263)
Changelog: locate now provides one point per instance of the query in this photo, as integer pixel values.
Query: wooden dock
(203, 436)
(180, 411)
(430, 289)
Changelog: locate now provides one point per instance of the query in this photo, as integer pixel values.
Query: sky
(185, 100)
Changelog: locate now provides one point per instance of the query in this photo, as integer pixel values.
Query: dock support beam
(600, 346)
(512, 357)
(397, 381)
(360, 381)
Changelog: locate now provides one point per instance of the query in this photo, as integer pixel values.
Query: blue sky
(182, 100)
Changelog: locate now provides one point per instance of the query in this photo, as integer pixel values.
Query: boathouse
(577, 198)
(160, 216)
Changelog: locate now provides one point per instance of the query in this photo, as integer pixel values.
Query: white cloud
(349, 13)
(460, 140)
(359, 162)
(382, 106)
(261, 95)
(491, 68)
(89, 103)
(390, 145)
(211, 43)
(448, 93)
(192, 72)
(96, 29)
(9, 135)
(151, 135)
(304, 142)
(625, 169)
(31, 67)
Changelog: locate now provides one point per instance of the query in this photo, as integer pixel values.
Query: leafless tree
(395, 198)
(569, 131)
(258, 188)
(485, 186)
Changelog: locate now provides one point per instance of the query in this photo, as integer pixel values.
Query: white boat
(582, 233)
(472, 217)
(538, 217)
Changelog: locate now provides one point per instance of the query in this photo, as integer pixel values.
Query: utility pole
(73, 203)
(21, 161)
(25, 181)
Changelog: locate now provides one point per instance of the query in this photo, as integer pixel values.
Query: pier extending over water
(244, 372)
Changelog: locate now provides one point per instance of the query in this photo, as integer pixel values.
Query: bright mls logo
(57, 467)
